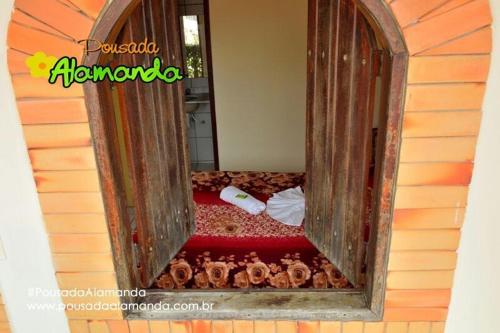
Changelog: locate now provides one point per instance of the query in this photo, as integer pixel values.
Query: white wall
(27, 262)
(475, 304)
(259, 66)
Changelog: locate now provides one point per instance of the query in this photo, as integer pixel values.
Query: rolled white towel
(242, 200)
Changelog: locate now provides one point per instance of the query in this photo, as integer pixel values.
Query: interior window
(193, 58)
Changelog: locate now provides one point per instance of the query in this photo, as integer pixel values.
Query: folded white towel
(287, 206)
(243, 200)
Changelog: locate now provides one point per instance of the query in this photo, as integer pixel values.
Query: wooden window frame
(364, 304)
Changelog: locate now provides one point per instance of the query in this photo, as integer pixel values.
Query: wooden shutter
(154, 124)
(341, 57)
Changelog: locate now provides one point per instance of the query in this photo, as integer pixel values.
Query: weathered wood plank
(318, 34)
(100, 104)
(340, 115)
(153, 121)
(262, 304)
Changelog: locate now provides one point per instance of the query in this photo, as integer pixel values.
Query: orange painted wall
(4, 321)
(449, 42)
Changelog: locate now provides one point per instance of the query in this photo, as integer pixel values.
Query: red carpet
(233, 249)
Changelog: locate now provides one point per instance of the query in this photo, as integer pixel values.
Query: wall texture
(476, 291)
(25, 257)
(450, 43)
(4, 319)
(259, 51)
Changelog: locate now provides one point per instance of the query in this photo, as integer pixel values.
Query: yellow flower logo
(40, 64)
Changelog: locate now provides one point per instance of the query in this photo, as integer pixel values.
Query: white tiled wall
(200, 125)
(198, 85)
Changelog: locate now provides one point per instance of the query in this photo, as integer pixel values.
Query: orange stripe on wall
(439, 69)
(422, 260)
(52, 111)
(434, 173)
(477, 42)
(434, 218)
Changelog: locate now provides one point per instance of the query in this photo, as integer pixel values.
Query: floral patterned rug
(206, 271)
(233, 249)
(231, 221)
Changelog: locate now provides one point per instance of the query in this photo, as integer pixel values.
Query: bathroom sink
(192, 101)
(197, 98)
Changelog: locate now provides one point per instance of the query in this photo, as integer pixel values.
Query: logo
(40, 65)
(69, 71)
(144, 47)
